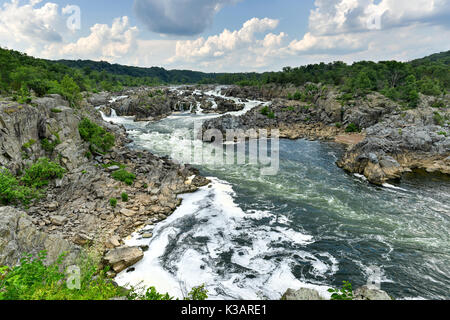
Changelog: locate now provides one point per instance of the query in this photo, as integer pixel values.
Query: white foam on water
(390, 186)
(212, 214)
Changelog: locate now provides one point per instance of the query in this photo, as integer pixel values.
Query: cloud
(104, 42)
(348, 26)
(242, 46)
(178, 17)
(25, 26)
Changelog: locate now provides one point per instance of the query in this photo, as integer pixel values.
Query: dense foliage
(400, 81)
(41, 172)
(124, 176)
(101, 141)
(11, 191)
(35, 279)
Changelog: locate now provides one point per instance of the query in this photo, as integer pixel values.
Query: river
(250, 236)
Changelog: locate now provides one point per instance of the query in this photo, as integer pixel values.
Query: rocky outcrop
(401, 143)
(121, 258)
(77, 209)
(18, 236)
(393, 141)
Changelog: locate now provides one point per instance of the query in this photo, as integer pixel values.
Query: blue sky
(226, 35)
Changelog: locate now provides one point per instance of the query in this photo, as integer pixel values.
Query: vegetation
(21, 74)
(40, 173)
(124, 176)
(198, 293)
(100, 140)
(35, 279)
(11, 191)
(124, 197)
(352, 128)
(346, 293)
(113, 202)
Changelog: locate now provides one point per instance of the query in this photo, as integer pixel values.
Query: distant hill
(172, 76)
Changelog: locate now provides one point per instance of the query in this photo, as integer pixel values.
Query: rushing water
(248, 236)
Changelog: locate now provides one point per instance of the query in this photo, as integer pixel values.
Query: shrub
(198, 294)
(50, 146)
(40, 173)
(352, 128)
(34, 279)
(11, 192)
(55, 110)
(265, 111)
(271, 115)
(113, 202)
(124, 197)
(100, 140)
(29, 144)
(338, 125)
(124, 176)
(297, 95)
(346, 293)
(69, 89)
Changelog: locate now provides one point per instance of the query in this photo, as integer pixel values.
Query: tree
(70, 91)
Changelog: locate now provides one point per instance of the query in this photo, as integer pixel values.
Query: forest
(400, 81)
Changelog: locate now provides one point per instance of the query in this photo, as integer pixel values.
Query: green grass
(124, 197)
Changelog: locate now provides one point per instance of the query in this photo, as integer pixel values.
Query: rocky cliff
(76, 210)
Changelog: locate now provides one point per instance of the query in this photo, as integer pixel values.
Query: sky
(226, 35)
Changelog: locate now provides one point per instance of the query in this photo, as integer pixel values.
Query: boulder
(121, 258)
(366, 293)
(303, 294)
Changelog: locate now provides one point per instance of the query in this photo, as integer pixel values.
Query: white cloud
(178, 17)
(25, 26)
(104, 42)
(243, 46)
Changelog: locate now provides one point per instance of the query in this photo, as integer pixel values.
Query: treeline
(400, 81)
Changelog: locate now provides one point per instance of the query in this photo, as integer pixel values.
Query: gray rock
(366, 293)
(121, 258)
(302, 294)
(19, 236)
(58, 220)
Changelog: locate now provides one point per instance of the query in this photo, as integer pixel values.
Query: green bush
(265, 111)
(271, 115)
(40, 173)
(346, 293)
(11, 192)
(198, 294)
(124, 176)
(113, 202)
(34, 279)
(352, 128)
(55, 110)
(124, 197)
(100, 140)
(50, 146)
(29, 144)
